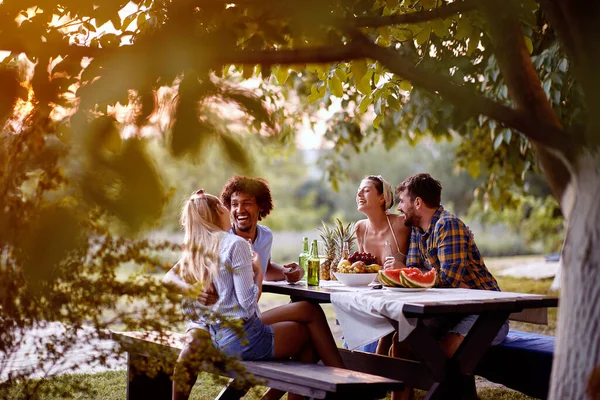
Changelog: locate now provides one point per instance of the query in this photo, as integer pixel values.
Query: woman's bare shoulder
(359, 226)
(397, 222)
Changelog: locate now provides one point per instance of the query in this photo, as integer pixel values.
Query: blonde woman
(212, 257)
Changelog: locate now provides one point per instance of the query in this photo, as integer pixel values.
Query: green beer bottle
(313, 265)
(303, 258)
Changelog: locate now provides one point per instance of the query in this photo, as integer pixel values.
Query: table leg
(454, 377)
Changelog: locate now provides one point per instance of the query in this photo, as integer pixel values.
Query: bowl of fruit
(359, 269)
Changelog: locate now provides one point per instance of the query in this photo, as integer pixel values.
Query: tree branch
(442, 12)
(463, 97)
(324, 54)
(526, 91)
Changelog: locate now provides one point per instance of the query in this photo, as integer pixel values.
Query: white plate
(405, 289)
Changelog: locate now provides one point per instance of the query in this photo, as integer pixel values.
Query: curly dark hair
(424, 186)
(257, 187)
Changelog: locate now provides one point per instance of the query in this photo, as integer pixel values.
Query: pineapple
(342, 234)
(329, 238)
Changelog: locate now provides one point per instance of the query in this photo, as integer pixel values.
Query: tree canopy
(515, 79)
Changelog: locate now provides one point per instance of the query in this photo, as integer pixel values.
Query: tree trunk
(577, 351)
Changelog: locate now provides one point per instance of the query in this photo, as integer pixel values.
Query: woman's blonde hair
(200, 220)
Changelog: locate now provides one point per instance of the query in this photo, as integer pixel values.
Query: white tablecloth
(364, 314)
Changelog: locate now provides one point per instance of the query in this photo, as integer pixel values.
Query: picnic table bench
(307, 379)
(523, 362)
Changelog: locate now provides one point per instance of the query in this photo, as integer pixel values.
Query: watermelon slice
(407, 277)
(417, 279)
(390, 277)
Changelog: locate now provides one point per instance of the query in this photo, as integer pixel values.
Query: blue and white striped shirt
(238, 294)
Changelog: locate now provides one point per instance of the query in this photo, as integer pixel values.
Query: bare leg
(450, 343)
(384, 346)
(312, 316)
(188, 362)
(401, 350)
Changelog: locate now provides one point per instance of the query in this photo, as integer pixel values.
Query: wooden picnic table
(442, 377)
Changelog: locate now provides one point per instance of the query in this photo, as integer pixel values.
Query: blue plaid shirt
(449, 247)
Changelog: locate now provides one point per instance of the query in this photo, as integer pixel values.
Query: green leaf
(528, 44)
(423, 36)
(335, 86)
(405, 85)
(282, 73)
(359, 69)
(141, 20)
(473, 43)
(563, 65)
(340, 73)
(377, 121)
(438, 27)
(364, 86)
(128, 20)
(320, 69)
(393, 103)
(474, 169)
(316, 92)
(364, 104)
(464, 28)
(498, 141)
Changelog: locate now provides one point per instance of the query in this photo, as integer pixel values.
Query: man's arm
(413, 256)
(289, 272)
(173, 281)
(452, 253)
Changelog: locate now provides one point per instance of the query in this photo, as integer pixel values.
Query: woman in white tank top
(382, 234)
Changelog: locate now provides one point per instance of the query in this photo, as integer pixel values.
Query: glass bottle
(303, 258)
(345, 251)
(313, 265)
(343, 256)
(387, 253)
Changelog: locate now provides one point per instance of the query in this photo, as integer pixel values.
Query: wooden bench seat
(312, 380)
(523, 362)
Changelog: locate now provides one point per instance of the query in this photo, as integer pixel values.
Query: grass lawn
(112, 386)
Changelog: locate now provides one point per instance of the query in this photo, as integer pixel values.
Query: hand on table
(294, 273)
(392, 263)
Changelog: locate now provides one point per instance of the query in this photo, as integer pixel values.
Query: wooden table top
(517, 303)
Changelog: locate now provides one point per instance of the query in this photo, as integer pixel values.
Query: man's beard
(411, 220)
(237, 228)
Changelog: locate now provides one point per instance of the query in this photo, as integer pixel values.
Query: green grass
(541, 286)
(112, 386)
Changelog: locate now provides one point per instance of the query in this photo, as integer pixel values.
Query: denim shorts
(460, 325)
(258, 343)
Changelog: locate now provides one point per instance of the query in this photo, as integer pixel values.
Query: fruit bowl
(355, 279)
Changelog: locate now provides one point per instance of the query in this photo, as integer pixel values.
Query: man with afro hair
(249, 201)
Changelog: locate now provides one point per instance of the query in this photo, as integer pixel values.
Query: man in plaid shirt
(440, 240)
